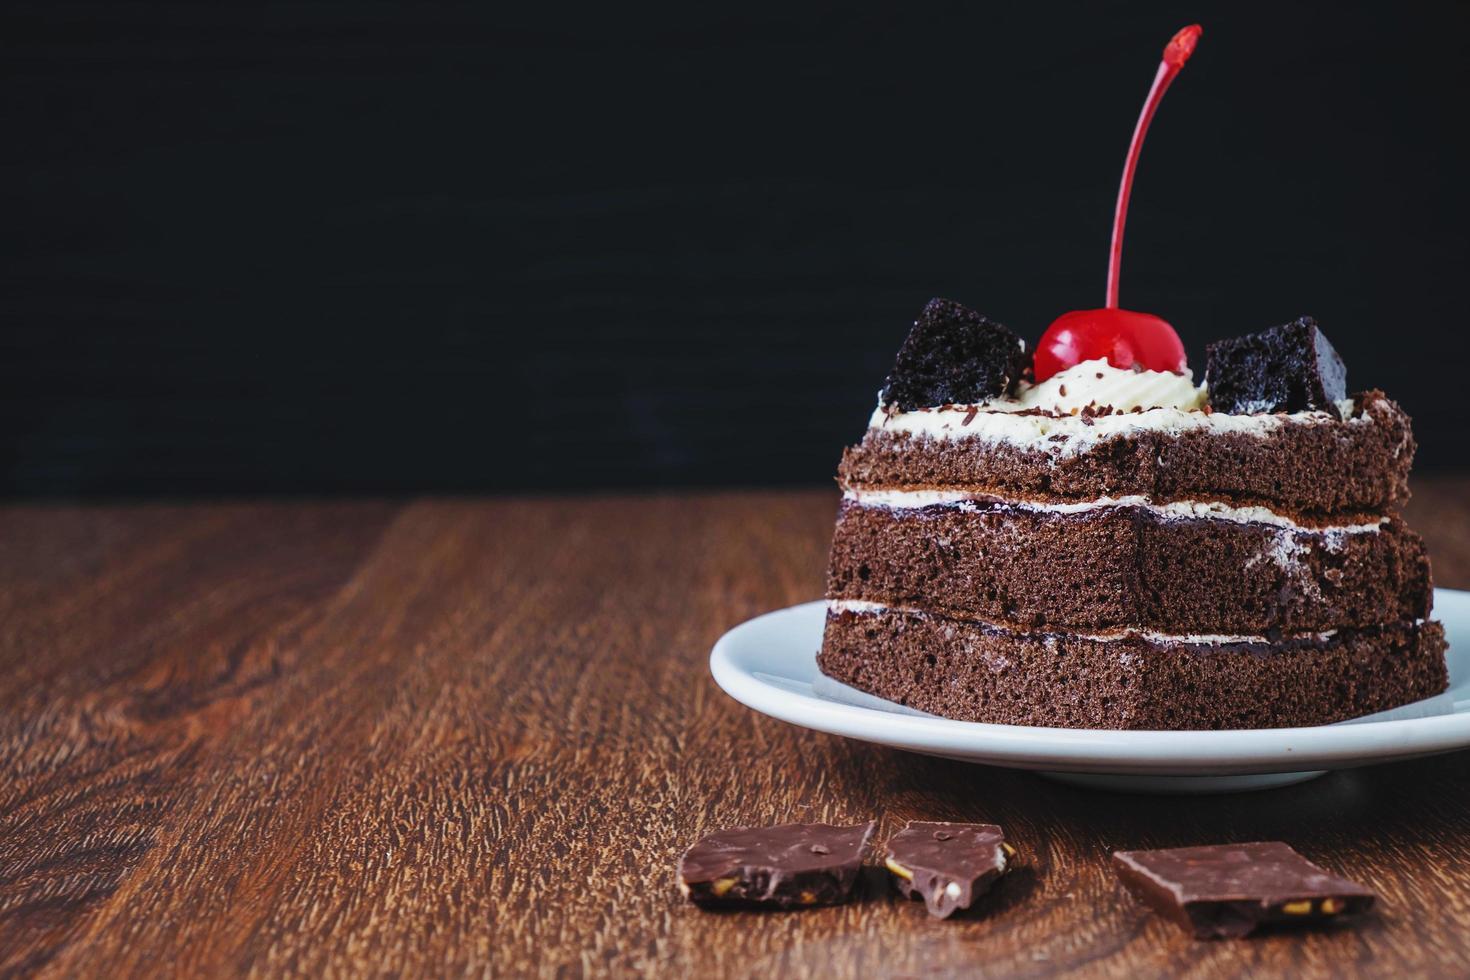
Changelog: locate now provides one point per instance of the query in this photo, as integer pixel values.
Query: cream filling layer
(1173, 510)
(862, 607)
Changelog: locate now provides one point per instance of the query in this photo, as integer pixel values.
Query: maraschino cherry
(1126, 338)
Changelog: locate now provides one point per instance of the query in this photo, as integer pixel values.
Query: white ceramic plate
(769, 664)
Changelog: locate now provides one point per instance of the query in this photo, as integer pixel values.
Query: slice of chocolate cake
(1116, 548)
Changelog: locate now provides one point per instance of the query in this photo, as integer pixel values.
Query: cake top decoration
(1124, 337)
(1110, 360)
(1290, 368)
(954, 355)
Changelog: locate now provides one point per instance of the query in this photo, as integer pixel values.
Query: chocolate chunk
(1291, 368)
(791, 865)
(953, 355)
(1227, 890)
(948, 865)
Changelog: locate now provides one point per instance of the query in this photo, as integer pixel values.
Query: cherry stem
(1176, 53)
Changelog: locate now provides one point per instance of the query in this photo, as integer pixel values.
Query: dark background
(372, 247)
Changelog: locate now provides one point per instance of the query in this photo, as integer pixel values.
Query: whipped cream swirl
(1099, 384)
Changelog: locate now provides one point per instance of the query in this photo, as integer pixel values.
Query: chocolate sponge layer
(974, 672)
(1361, 464)
(1126, 566)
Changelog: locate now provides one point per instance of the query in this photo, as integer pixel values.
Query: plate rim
(1094, 750)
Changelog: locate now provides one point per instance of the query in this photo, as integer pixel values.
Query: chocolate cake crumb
(954, 354)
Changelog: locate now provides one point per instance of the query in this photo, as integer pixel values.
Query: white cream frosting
(1174, 509)
(863, 607)
(1153, 401)
(1098, 383)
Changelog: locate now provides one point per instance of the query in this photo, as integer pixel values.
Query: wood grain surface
(472, 737)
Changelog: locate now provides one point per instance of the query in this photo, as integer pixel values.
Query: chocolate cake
(1117, 547)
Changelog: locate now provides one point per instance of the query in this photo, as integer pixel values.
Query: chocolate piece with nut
(1227, 890)
(789, 866)
(948, 865)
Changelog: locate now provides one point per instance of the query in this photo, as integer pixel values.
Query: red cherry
(1125, 338)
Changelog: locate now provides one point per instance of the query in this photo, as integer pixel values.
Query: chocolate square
(782, 867)
(1227, 890)
(948, 865)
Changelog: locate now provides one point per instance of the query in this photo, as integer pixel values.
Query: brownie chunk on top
(954, 355)
(1290, 368)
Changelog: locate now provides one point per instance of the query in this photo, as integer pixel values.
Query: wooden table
(449, 737)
